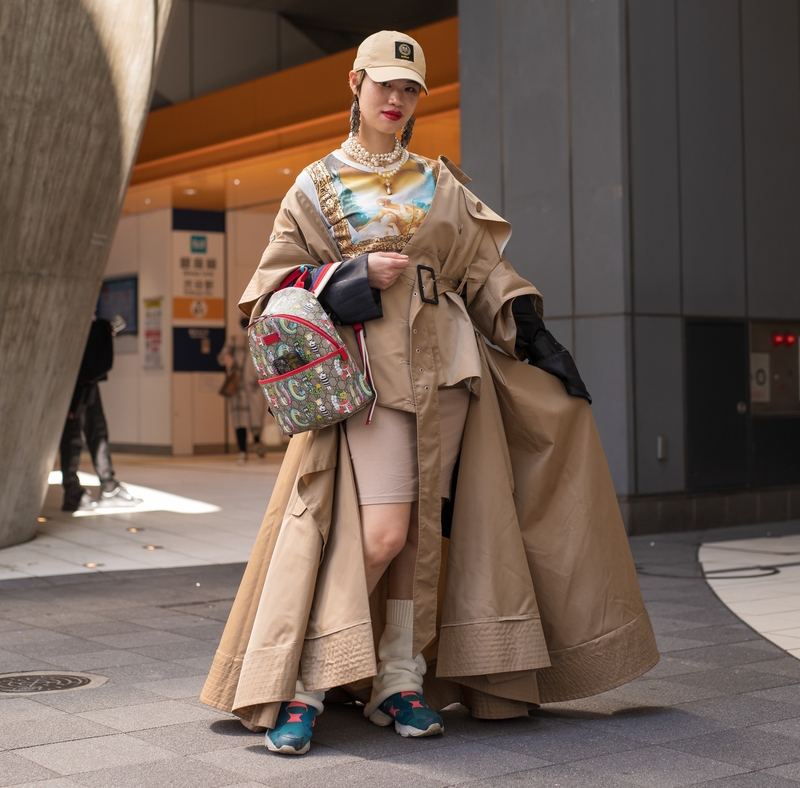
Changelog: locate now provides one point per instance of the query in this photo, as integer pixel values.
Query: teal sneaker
(293, 728)
(410, 715)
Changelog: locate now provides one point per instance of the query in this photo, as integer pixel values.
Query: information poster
(153, 333)
(198, 303)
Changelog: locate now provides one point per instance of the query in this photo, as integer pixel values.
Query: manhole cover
(47, 681)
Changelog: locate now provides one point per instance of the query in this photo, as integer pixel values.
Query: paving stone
(376, 774)
(671, 643)
(733, 680)
(789, 771)
(176, 773)
(463, 762)
(786, 727)
(149, 670)
(108, 696)
(668, 667)
(727, 655)
(183, 650)
(724, 634)
(663, 692)
(15, 770)
(185, 687)
(459, 722)
(562, 742)
(256, 762)
(149, 715)
(787, 694)
(561, 776)
(57, 782)
(139, 639)
(785, 666)
(94, 661)
(101, 752)
(200, 664)
(749, 749)
(198, 737)
(656, 724)
(60, 728)
(55, 649)
(659, 767)
(750, 780)
(741, 711)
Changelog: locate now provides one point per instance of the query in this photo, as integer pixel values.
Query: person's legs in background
(112, 493)
(75, 496)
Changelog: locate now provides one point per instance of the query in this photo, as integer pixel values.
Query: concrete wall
(646, 153)
(212, 46)
(75, 82)
(548, 86)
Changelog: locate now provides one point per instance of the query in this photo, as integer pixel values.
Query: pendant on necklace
(388, 189)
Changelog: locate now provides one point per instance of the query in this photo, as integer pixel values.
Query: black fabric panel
(348, 297)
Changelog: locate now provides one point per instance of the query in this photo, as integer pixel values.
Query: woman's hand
(384, 268)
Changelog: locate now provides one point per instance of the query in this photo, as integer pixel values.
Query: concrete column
(544, 136)
(76, 78)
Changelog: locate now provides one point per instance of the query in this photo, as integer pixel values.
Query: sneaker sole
(286, 749)
(408, 731)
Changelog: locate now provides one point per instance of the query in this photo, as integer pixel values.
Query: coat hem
(601, 664)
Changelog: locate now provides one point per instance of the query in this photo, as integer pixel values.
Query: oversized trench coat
(533, 599)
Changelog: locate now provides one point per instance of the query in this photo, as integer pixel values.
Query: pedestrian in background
(86, 419)
(246, 400)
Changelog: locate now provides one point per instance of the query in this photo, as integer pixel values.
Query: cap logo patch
(404, 51)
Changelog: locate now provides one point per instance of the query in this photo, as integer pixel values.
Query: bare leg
(384, 527)
(401, 570)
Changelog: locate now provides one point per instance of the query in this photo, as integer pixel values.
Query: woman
(247, 403)
(533, 597)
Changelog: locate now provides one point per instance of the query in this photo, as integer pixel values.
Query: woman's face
(386, 106)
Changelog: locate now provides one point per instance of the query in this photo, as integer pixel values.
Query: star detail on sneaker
(292, 732)
(410, 714)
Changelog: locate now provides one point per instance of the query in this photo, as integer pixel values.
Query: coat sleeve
(348, 297)
(291, 244)
(490, 286)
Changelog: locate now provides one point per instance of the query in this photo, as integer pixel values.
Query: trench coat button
(421, 369)
(459, 229)
(414, 293)
(417, 350)
(415, 330)
(427, 388)
(479, 206)
(442, 255)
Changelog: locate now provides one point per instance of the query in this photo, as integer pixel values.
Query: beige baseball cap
(391, 55)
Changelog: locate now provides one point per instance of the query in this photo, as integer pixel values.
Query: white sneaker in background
(242, 459)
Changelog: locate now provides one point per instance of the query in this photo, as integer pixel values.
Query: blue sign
(196, 349)
(199, 244)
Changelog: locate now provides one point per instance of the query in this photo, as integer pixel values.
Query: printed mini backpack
(304, 369)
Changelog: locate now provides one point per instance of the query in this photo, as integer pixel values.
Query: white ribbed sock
(398, 669)
(314, 698)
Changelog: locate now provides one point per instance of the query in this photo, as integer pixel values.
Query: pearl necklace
(375, 161)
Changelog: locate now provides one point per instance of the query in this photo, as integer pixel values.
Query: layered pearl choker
(375, 161)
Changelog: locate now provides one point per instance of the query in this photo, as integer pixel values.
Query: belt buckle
(435, 299)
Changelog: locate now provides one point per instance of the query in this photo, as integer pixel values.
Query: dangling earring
(408, 130)
(355, 117)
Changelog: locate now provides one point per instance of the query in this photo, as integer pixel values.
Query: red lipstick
(393, 116)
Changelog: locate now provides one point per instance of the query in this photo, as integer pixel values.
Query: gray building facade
(647, 153)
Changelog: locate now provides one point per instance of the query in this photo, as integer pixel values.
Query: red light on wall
(791, 339)
(778, 339)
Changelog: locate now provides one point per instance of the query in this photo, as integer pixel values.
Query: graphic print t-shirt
(358, 212)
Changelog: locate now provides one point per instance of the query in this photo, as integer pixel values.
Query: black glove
(543, 350)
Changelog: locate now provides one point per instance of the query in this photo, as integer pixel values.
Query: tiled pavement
(721, 709)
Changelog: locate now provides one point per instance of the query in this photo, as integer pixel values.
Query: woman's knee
(384, 546)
